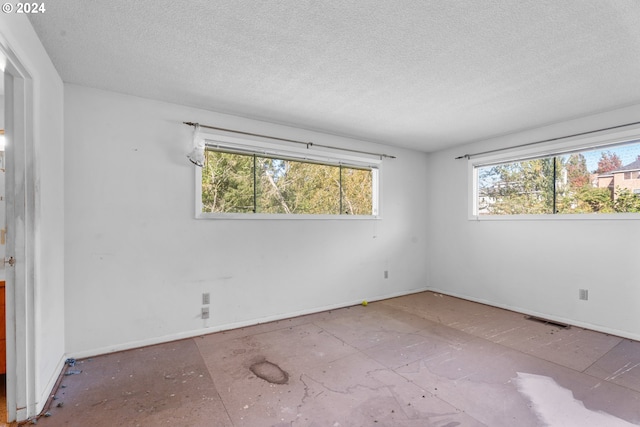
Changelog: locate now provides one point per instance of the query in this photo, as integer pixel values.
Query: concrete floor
(419, 360)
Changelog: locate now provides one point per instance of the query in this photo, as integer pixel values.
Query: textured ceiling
(425, 74)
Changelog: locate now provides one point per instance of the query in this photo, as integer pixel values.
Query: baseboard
(560, 319)
(228, 326)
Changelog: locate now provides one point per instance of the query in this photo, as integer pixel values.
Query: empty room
(320, 213)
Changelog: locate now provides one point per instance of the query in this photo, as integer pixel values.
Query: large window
(601, 180)
(251, 183)
(244, 178)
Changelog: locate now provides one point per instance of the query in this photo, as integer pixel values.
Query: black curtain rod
(307, 144)
(468, 156)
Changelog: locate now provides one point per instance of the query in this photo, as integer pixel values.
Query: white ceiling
(424, 74)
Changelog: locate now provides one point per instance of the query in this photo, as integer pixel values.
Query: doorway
(20, 377)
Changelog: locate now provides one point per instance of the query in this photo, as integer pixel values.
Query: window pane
(524, 187)
(227, 182)
(574, 185)
(622, 181)
(356, 191)
(287, 186)
(611, 183)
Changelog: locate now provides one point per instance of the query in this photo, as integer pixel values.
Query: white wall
(534, 267)
(137, 261)
(17, 34)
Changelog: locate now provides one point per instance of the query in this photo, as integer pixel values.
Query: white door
(19, 180)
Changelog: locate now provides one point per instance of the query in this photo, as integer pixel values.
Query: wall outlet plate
(205, 298)
(205, 312)
(583, 294)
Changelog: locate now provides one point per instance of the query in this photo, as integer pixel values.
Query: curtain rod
(308, 144)
(468, 156)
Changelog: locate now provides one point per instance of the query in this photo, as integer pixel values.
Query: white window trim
(601, 140)
(222, 140)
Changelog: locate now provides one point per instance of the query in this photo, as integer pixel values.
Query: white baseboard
(228, 326)
(47, 392)
(559, 319)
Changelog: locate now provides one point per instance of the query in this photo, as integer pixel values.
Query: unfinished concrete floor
(419, 360)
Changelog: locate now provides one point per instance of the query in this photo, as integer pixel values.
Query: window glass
(227, 182)
(356, 191)
(592, 181)
(292, 187)
(524, 187)
(252, 183)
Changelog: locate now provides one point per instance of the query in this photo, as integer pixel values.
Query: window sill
(557, 217)
(278, 217)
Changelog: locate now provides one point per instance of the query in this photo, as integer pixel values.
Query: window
(599, 180)
(239, 181)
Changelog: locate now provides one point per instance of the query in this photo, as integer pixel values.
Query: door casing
(22, 379)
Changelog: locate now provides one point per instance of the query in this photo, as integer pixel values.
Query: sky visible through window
(627, 153)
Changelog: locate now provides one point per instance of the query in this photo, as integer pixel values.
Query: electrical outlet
(386, 274)
(205, 298)
(583, 294)
(205, 312)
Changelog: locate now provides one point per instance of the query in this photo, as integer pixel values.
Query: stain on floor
(269, 372)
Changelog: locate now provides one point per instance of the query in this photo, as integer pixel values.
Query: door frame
(20, 205)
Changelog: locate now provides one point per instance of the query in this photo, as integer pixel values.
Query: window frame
(601, 140)
(228, 142)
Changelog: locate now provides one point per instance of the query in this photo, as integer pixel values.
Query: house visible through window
(604, 180)
(237, 182)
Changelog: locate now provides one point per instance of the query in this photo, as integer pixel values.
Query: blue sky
(627, 153)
